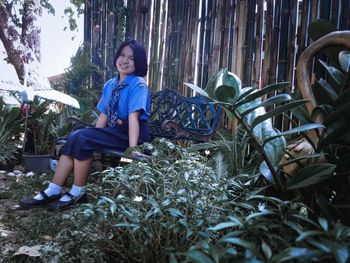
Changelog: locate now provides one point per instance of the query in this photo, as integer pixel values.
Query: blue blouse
(134, 95)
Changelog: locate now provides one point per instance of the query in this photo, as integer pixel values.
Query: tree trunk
(22, 44)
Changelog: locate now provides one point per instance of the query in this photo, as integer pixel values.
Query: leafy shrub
(10, 129)
(175, 208)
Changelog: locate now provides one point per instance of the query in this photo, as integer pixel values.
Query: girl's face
(125, 62)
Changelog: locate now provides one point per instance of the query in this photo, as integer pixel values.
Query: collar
(125, 82)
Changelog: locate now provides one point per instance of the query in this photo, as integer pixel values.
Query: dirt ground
(24, 232)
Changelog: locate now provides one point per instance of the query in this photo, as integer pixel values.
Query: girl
(124, 109)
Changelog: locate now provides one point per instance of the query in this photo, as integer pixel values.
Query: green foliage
(44, 127)
(248, 105)
(78, 75)
(314, 184)
(146, 208)
(229, 153)
(175, 208)
(10, 130)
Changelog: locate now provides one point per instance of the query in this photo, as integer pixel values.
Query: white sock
(52, 189)
(75, 191)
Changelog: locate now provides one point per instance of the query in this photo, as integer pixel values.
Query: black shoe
(31, 202)
(63, 205)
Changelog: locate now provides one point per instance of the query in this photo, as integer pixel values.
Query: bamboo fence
(191, 40)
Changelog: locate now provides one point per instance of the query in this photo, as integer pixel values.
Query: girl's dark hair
(140, 58)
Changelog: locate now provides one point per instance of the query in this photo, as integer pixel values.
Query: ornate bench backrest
(175, 116)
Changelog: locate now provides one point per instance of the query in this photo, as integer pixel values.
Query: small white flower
(138, 198)
(187, 176)
(207, 152)
(262, 207)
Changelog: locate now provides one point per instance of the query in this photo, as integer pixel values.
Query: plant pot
(36, 163)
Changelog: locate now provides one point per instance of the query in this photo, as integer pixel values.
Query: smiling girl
(124, 110)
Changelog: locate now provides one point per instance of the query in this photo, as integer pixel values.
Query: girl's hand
(101, 121)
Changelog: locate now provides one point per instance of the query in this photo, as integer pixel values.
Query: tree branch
(11, 39)
(22, 44)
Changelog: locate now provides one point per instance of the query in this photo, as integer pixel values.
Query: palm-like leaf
(247, 105)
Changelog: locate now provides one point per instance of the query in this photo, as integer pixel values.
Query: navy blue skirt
(82, 143)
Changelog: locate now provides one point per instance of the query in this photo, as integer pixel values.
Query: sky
(57, 46)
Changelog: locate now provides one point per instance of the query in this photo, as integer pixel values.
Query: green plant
(331, 196)
(147, 210)
(10, 130)
(268, 229)
(248, 105)
(41, 130)
(229, 153)
(176, 208)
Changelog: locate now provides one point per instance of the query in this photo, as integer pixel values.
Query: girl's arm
(101, 121)
(134, 128)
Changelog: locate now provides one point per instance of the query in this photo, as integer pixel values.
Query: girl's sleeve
(104, 100)
(140, 99)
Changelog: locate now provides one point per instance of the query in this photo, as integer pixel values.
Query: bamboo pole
(268, 43)
(225, 42)
(249, 43)
(215, 40)
(259, 38)
(190, 44)
(207, 43)
(155, 54)
(230, 56)
(240, 30)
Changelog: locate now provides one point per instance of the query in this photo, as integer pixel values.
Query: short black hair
(140, 58)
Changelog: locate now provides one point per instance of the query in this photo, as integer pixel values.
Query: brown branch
(302, 71)
(9, 35)
(30, 29)
(22, 45)
(303, 75)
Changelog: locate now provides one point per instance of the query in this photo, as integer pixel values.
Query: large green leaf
(300, 129)
(309, 233)
(344, 61)
(224, 86)
(294, 253)
(225, 225)
(341, 113)
(310, 175)
(343, 98)
(270, 101)
(197, 89)
(340, 252)
(333, 95)
(277, 111)
(336, 74)
(266, 172)
(239, 242)
(250, 96)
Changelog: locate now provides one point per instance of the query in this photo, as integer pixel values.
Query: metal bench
(175, 117)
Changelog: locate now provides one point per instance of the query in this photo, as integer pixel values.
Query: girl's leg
(81, 171)
(64, 168)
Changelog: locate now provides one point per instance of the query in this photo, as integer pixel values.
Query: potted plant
(40, 135)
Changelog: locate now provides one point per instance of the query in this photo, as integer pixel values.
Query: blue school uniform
(118, 100)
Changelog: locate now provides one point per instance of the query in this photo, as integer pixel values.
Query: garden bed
(175, 208)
